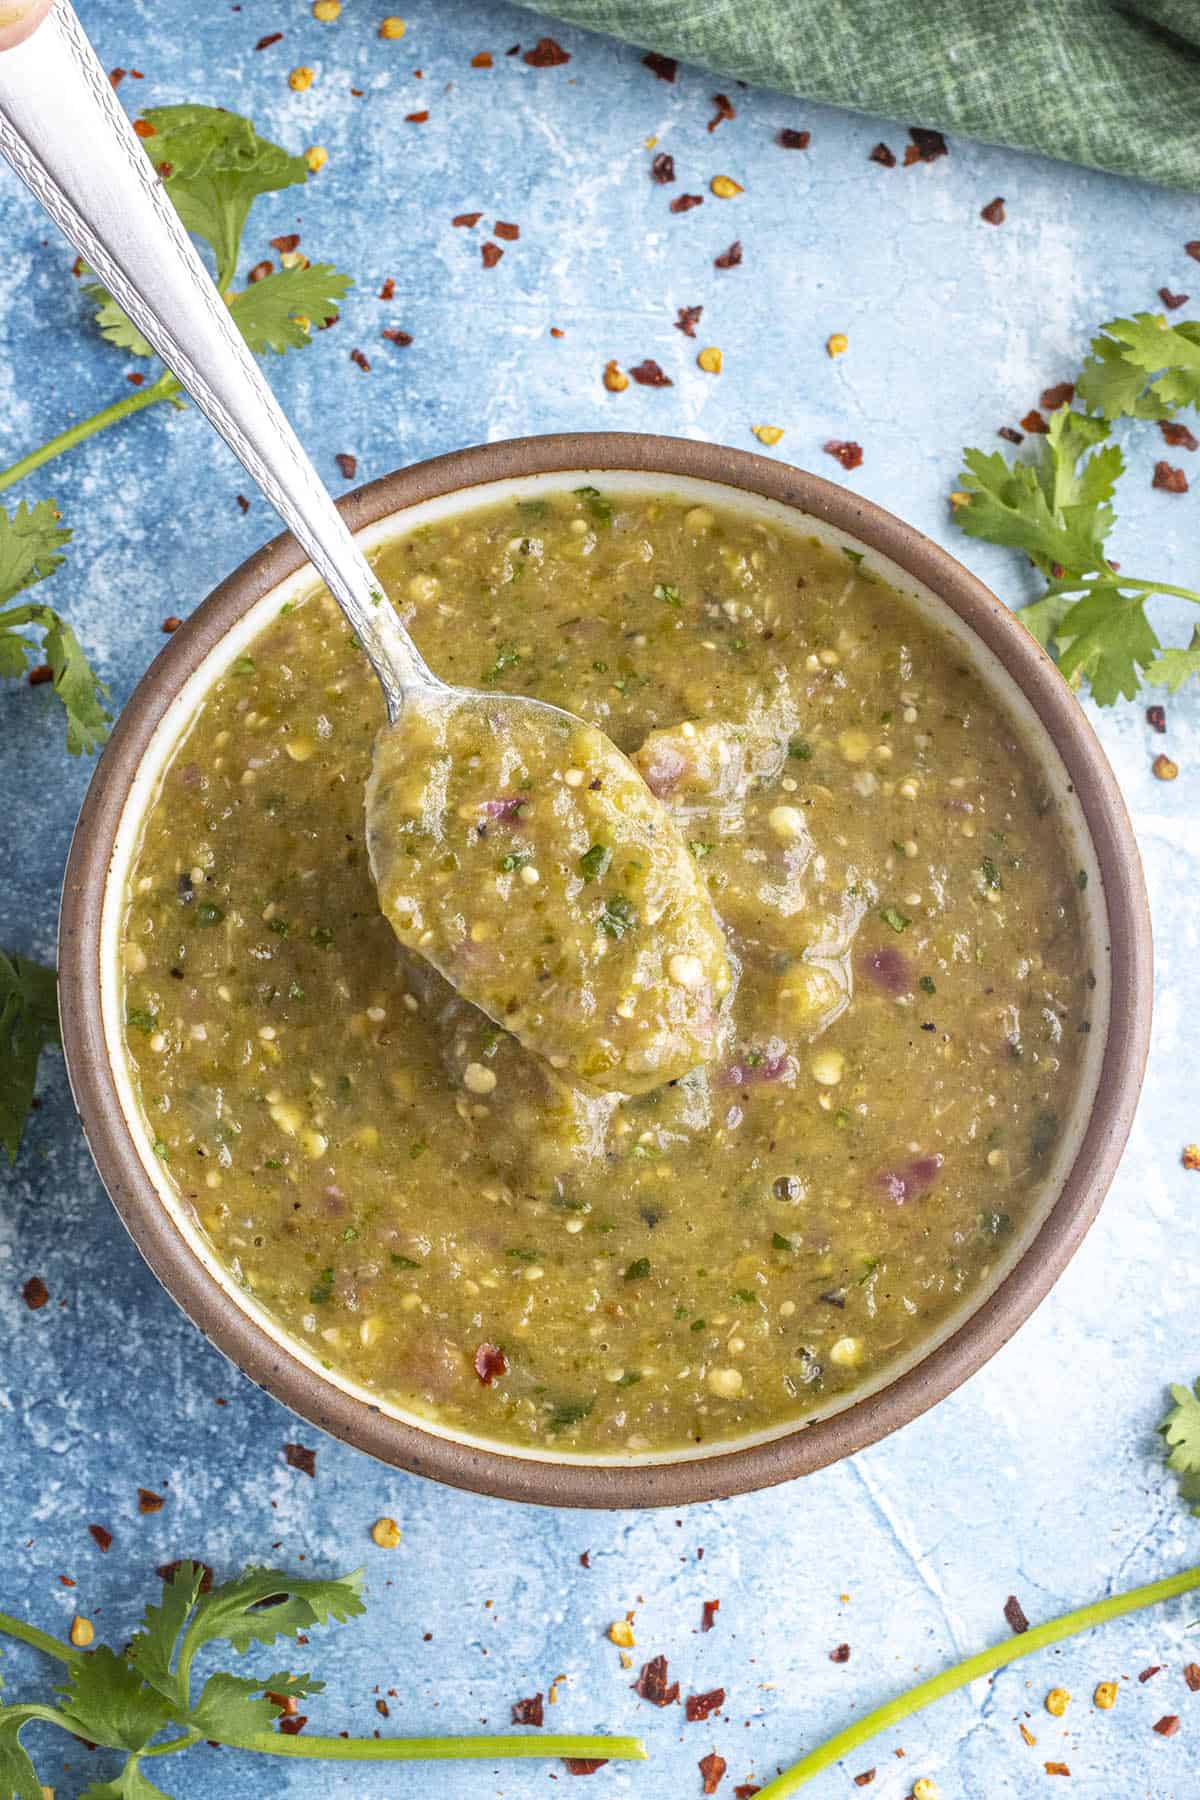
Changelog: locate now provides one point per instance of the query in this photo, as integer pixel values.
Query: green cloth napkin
(1090, 81)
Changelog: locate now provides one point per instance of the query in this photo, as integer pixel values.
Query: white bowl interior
(177, 722)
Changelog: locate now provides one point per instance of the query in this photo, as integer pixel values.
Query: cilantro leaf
(1107, 637)
(114, 325)
(1174, 667)
(1142, 367)
(28, 1022)
(272, 313)
(1181, 1428)
(234, 1610)
(74, 680)
(108, 1702)
(153, 1648)
(235, 1706)
(1048, 509)
(131, 1784)
(30, 539)
(17, 1774)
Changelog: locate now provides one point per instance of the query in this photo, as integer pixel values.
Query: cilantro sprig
(28, 1025)
(1058, 510)
(30, 541)
(214, 166)
(143, 1701)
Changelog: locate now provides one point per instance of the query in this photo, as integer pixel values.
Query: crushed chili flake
(135, 379)
(883, 155)
(662, 169)
(502, 229)
(684, 202)
(1156, 718)
(865, 1779)
(1172, 301)
(708, 1614)
(144, 128)
(1014, 1614)
(585, 1559)
(1168, 1725)
(347, 464)
(168, 1572)
(1027, 1735)
(383, 1709)
(356, 356)
(1033, 421)
(994, 212)
(490, 1362)
(417, 118)
(788, 139)
(926, 146)
(729, 259)
(264, 43)
(67, 1582)
(528, 1712)
(388, 290)
(840, 1653)
(482, 60)
(35, 1293)
(286, 244)
(1173, 481)
(725, 110)
(171, 624)
(467, 219)
(1060, 395)
(698, 1706)
(1191, 1675)
(293, 1724)
(648, 374)
(712, 1767)
(1178, 435)
(556, 331)
(491, 254)
(662, 66)
(40, 674)
(117, 76)
(584, 1765)
(513, 50)
(651, 1684)
(1011, 434)
(287, 1703)
(299, 1456)
(102, 1537)
(849, 454)
(689, 318)
(547, 54)
(243, 503)
(78, 266)
(394, 335)
(1150, 1673)
(745, 1791)
(149, 1502)
(260, 271)
(1193, 249)
(1057, 1768)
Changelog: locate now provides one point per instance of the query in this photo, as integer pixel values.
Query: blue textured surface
(1042, 1476)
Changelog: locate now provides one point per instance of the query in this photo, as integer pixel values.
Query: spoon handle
(67, 137)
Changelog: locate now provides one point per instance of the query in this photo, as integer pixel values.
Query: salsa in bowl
(420, 1234)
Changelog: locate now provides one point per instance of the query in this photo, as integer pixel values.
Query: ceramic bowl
(1013, 666)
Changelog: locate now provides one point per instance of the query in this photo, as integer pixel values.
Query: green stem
(970, 1669)
(165, 388)
(1079, 584)
(39, 1640)
(172, 1745)
(439, 1749)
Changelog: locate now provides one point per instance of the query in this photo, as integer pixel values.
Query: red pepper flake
(293, 1724)
(698, 1706)
(513, 50)
(491, 254)
(356, 356)
(134, 379)
(1057, 1768)
(1173, 481)
(171, 624)
(1178, 435)
(882, 155)
(1150, 1673)
(788, 139)
(585, 1559)
(165, 169)
(168, 1572)
(383, 1709)
(136, 75)
(994, 212)
(243, 503)
(1013, 436)
(260, 271)
(729, 259)
(117, 76)
(1191, 1675)
(651, 1684)
(547, 54)
(417, 118)
(1156, 718)
(746, 1790)
(144, 128)
(482, 60)
(502, 229)
(684, 202)
(926, 146)
(388, 290)
(665, 66)
(849, 454)
(708, 1614)
(725, 110)
(78, 266)
(712, 1767)
(287, 1703)
(1193, 249)
(1168, 1725)
(662, 169)
(648, 374)
(865, 1779)
(556, 331)
(285, 245)
(299, 1456)
(347, 464)
(584, 1765)
(528, 1712)
(1172, 301)
(840, 1653)
(689, 318)
(149, 1502)
(490, 1363)
(35, 1293)
(102, 1537)
(467, 219)
(394, 335)
(264, 43)
(1014, 1614)
(67, 1582)
(40, 674)
(1033, 421)
(1061, 395)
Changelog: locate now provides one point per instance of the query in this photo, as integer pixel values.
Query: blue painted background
(1042, 1476)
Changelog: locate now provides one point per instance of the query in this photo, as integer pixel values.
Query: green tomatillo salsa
(897, 1014)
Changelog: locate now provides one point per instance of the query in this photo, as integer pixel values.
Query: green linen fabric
(1089, 81)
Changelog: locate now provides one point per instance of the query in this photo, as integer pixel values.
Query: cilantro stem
(970, 1669)
(440, 1749)
(38, 1640)
(1071, 584)
(165, 388)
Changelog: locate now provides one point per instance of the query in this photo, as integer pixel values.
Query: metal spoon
(65, 134)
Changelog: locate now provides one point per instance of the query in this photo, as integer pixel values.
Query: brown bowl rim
(266, 1360)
